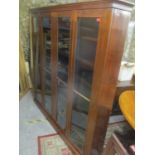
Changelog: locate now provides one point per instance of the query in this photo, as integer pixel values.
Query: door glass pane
(79, 119)
(63, 47)
(87, 33)
(37, 81)
(77, 135)
(85, 54)
(63, 61)
(46, 24)
(62, 104)
(38, 95)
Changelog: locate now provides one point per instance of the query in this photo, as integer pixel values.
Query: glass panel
(35, 39)
(62, 104)
(38, 80)
(63, 47)
(47, 68)
(35, 24)
(37, 60)
(85, 54)
(80, 103)
(38, 84)
(63, 61)
(84, 63)
(77, 135)
(79, 120)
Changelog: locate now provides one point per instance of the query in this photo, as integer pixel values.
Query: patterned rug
(52, 145)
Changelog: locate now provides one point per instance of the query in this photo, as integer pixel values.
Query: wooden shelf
(78, 126)
(64, 28)
(84, 97)
(59, 79)
(80, 111)
(47, 70)
(46, 92)
(85, 63)
(47, 41)
(89, 38)
(75, 91)
(64, 39)
(63, 47)
(86, 28)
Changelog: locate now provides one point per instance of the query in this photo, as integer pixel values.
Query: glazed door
(46, 62)
(84, 59)
(63, 53)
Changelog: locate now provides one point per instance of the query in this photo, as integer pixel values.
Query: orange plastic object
(127, 106)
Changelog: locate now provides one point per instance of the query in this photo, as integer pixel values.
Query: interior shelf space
(89, 38)
(81, 95)
(60, 80)
(75, 91)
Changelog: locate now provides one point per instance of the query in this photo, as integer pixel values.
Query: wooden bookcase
(76, 54)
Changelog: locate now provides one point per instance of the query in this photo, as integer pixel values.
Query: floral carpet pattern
(52, 145)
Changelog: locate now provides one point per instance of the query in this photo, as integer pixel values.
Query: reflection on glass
(38, 95)
(35, 24)
(79, 120)
(84, 63)
(77, 135)
(47, 65)
(37, 79)
(35, 38)
(48, 106)
(63, 47)
(63, 61)
(85, 54)
(62, 104)
(36, 57)
(80, 103)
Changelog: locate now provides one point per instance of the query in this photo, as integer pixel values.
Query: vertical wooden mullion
(42, 59)
(71, 72)
(54, 59)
